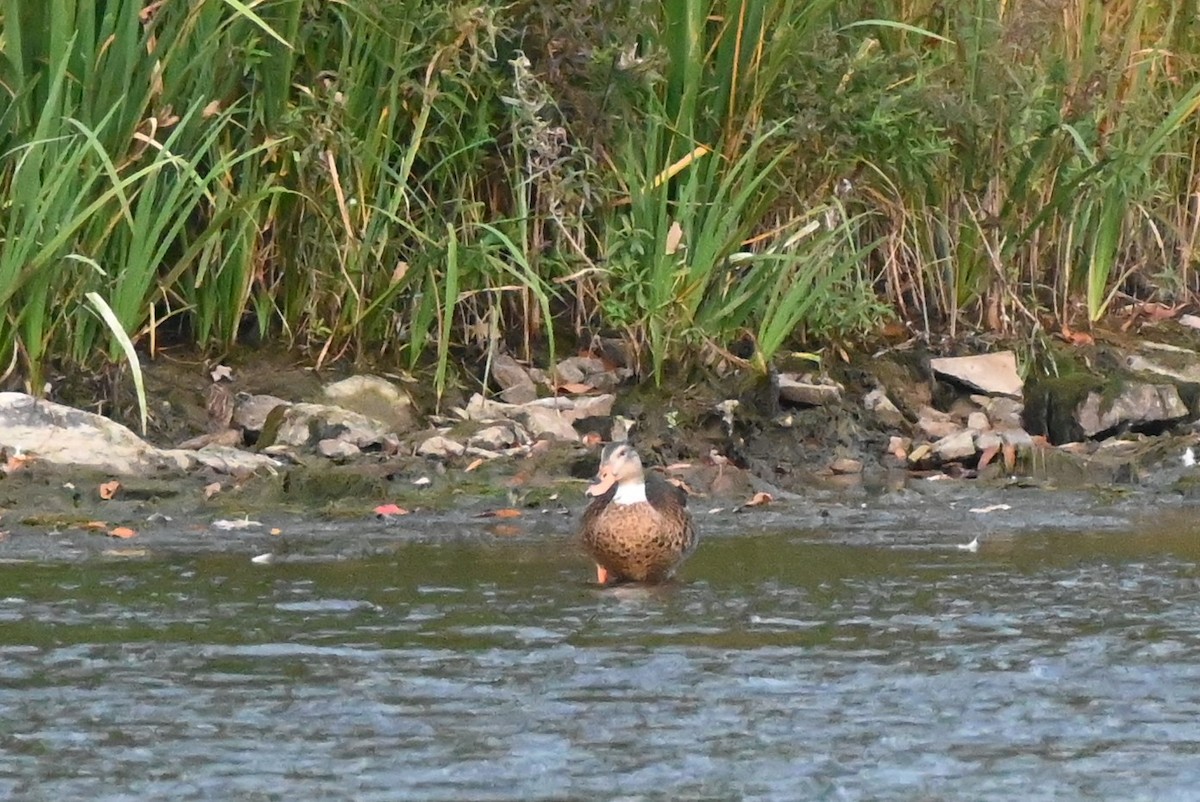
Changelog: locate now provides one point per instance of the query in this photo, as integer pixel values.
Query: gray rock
(1001, 411)
(846, 465)
(440, 446)
(978, 421)
(1016, 436)
(60, 435)
(1137, 403)
(594, 406)
(376, 398)
(960, 445)
(305, 425)
(337, 449)
(494, 437)
(992, 374)
(1178, 367)
(516, 385)
(546, 422)
(577, 369)
(878, 403)
(936, 424)
(986, 440)
(792, 389)
(250, 411)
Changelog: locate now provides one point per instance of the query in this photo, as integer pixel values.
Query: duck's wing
(662, 494)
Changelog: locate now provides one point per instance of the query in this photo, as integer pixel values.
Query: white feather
(630, 493)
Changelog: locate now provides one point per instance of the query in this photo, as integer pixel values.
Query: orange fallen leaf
(211, 490)
(504, 530)
(987, 456)
(474, 464)
(387, 510)
(1077, 337)
(758, 499)
(682, 485)
(123, 532)
(109, 489)
(96, 526)
(507, 512)
(1010, 457)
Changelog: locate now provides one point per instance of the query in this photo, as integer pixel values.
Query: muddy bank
(1104, 425)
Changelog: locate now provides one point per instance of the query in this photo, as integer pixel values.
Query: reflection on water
(781, 666)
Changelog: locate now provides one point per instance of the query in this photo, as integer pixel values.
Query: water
(783, 665)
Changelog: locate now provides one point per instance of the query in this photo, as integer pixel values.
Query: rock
(594, 406)
(1136, 404)
(846, 465)
(375, 398)
(1191, 321)
(1001, 411)
(960, 445)
(440, 446)
(992, 374)
(60, 435)
(793, 390)
(250, 411)
(936, 424)
(986, 440)
(577, 369)
(304, 425)
(543, 421)
(337, 449)
(516, 385)
(483, 409)
(1179, 366)
(1016, 436)
(978, 421)
(878, 403)
(494, 437)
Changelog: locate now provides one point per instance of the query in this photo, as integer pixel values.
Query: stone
(1135, 404)
(494, 437)
(250, 411)
(978, 421)
(545, 422)
(1001, 411)
(594, 406)
(1017, 437)
(991, 374)
(936, 424)
(440, 446)
(960, 445)
(375, 398)
(878, 403)
(60, 435)
(516, 385)
(1175, 366)
(304, 425)
(845, 465)
(811, 394)
(337, 449)
(577, 369)
(986, 440)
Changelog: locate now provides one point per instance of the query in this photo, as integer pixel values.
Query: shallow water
(784, 665)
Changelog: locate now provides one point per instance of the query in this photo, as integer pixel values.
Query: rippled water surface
(1046, 665)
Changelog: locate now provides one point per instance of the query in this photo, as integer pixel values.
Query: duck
(637, 527)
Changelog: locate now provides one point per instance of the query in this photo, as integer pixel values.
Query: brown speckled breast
(644, 542)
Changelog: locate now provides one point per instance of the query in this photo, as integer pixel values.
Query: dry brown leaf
(400, 271)
(211, 490)
(920, 452)
(759, 499)
(96, 526)
(123, 532)
(674, 237)
(1077, 337)
(212, 109)
(676, 467)
(109, 489)
(682, 485)
(576, 388)
(507, 512)
(474, 464)
(1010, 456)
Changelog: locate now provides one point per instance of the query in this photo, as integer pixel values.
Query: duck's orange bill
(603, 482)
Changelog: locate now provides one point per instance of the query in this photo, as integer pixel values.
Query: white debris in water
(973, 546)
(1189, 457)
(263, 559)
(238, 523)
(991, 508)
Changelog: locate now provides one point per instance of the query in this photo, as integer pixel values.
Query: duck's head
(619, 465)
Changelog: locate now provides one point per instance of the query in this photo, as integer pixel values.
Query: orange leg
(602, 574)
